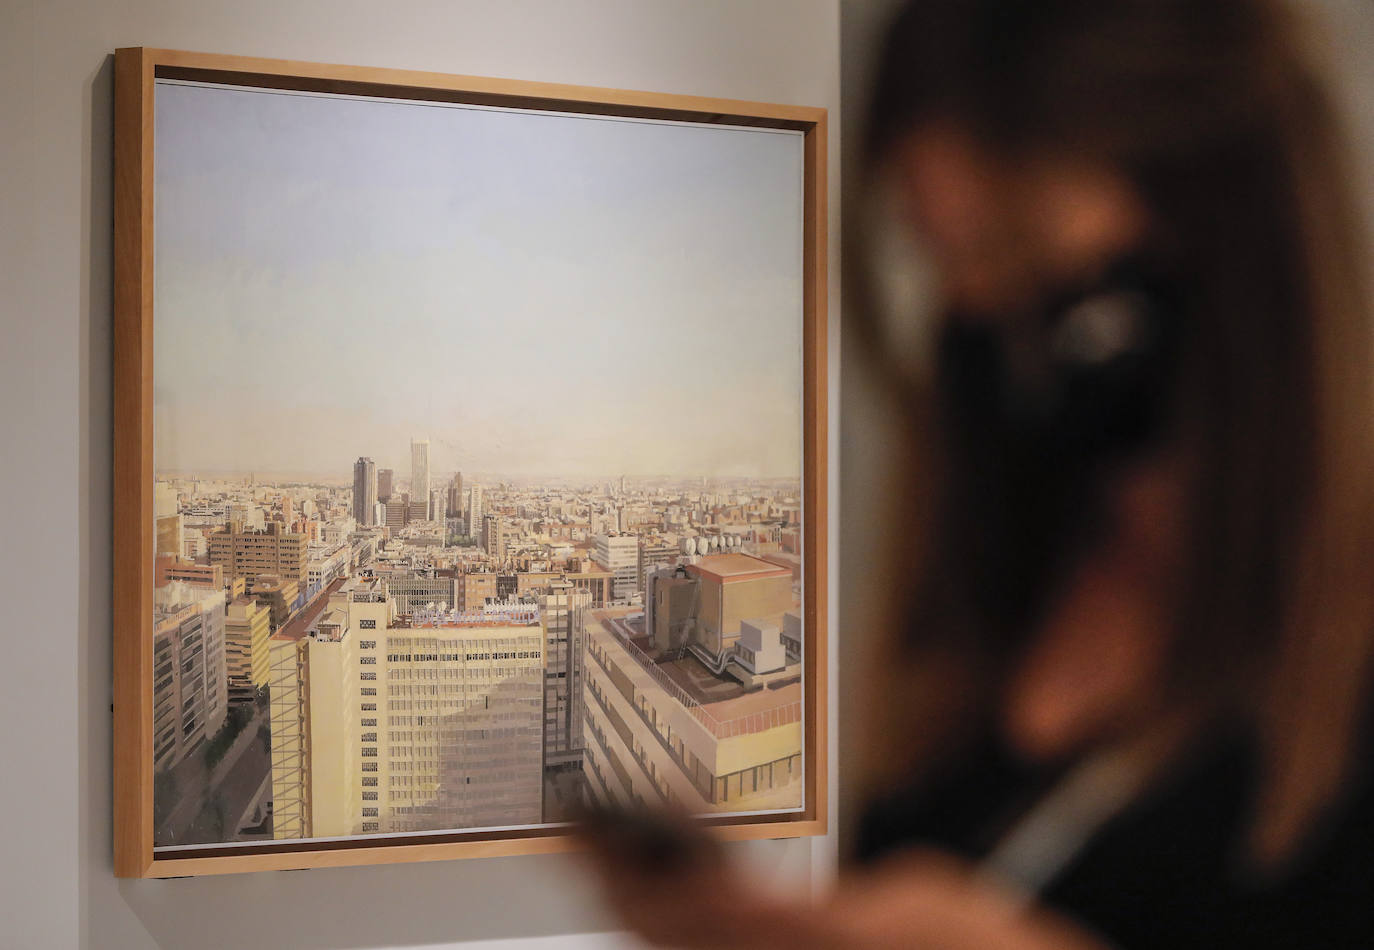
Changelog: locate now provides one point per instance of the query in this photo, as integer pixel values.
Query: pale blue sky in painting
(536, 294)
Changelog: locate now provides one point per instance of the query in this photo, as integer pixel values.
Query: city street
(207, 803)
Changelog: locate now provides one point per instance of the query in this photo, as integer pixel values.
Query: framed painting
(469, 463)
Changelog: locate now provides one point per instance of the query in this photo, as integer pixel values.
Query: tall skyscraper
(385, 478)
(455, 496)
(475, 511)
(419, 472)
(365, 491)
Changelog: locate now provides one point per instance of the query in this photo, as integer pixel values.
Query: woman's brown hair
(1210, 111)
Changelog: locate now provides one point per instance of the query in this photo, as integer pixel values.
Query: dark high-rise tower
(455, 496)
(365, 491)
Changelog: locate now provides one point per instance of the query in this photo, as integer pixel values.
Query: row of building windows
(522, 692)
(493, 756)
(435, 644)
(457, 672)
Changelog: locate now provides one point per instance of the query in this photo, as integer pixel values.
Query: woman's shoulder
(1170, 869)
(1173, 869)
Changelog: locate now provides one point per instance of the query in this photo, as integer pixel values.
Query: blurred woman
(1125, 702)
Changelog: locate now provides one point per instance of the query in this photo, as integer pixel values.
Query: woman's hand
(935, 902)
(924, 901)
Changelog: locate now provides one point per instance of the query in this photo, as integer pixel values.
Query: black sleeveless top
(1165, 871)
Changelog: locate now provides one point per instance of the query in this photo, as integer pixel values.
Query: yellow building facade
(247, 626)
(385, 725)
(649, 739)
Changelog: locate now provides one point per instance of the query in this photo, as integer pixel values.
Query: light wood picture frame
(685, 609)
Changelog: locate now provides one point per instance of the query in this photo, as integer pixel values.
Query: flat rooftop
(736, 567)
(725, 696)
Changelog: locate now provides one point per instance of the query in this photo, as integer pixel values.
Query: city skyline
(538, 294)
(280, 613)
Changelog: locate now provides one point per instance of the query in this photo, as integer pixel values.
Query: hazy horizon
(335, 276)
(440, 478)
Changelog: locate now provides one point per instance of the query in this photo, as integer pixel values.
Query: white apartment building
(561, 611)
(327, 563)
(475, 510)
(190, 686)
(619, 554)
(419, 475)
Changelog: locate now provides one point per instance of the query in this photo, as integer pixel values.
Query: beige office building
(277, 594)
(167, 569)
(475, 589)
(273, 550)
(682, 736)
(735, 588)
(383, 724)
(697, 701)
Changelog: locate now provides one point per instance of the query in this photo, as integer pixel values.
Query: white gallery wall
(56, 886)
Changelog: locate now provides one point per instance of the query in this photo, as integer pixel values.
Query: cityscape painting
(479, 468)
